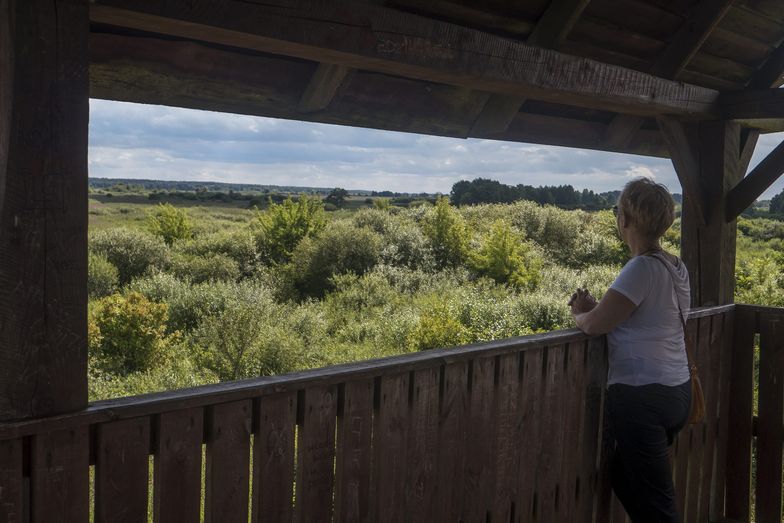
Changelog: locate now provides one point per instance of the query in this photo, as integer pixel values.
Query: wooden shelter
(506, 431)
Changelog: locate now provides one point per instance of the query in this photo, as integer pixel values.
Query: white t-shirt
(648, 347)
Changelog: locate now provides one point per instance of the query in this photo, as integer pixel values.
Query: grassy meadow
(191, 290)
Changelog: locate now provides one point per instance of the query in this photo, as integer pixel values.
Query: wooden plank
(43, 188)
(122, 468)
(755, 183)
(722, 431)
(698, 337)
(323, 87)
(622, 129)
(352, 472)
(60, 476)
(591, 427)
(316, 455)
(682, 145)
(574, 387)
(772, 72)
(390, 427)
(506, 445)
(712, 388)
(452, 428)
(12, 509)
(738, 447)
(770, 430)
(227, 476)
(177, 466)
(681, 467)
(422, 449)
(531, 403)
(497, 115)
(410, 46)
(552, 441)
(273, 458)
(752, 103)
(479, 465)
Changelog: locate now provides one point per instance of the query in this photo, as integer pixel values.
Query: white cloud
(138, 141)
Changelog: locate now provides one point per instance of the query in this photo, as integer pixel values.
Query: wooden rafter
(755, 183)
(753, 104)
(678, 53)
(551, 30)
(771, 74)
(413, 47)
(323, 87)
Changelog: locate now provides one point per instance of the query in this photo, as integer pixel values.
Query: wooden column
(710, 158)
(44, 109)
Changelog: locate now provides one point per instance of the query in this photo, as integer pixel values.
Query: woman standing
(649, 388)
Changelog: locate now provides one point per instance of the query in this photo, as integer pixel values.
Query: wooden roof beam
(755, 183)
(323, 87)
(762, 104)
(395, 43)
(551, 30)
(771, 74)
(678, 53)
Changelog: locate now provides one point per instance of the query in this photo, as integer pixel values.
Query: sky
(165, 143)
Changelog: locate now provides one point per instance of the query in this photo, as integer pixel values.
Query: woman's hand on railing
(582, 301)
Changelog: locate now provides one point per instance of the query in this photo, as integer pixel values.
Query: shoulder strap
(689, 357)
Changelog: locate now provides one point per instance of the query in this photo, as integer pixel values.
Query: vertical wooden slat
(122, 470)
(591, 428)
(696, 449)
(352, 473)
(11, 481)
(60, 476)
(389, 448)
(452, 437)
(479, 462)
(712, 366)
(681, 467)
(422, 447)
(573, 437)
(177, 466)
(507, 444)
(550, 449)
(739, 423)
(228, 461)
(316, 455)
(530, 433)
(770, 430)
(722, 436)
(273, 458)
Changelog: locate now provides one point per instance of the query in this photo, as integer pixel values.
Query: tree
(448, 234)
(777, 203)
(337, 197)
(170, 223)
(504, 257)
(282, 226)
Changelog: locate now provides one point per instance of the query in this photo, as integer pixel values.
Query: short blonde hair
(648, 206)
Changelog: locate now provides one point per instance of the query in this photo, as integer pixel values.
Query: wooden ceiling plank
(755, 183)
(395, 43)
(672, 60)
(771, 74)
(323, 87)
(549, 32)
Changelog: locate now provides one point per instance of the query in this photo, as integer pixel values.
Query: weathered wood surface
(511, 432)
(43, 201)
(412, 47)
(755, 183)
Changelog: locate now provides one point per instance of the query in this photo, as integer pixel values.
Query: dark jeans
(643, 421)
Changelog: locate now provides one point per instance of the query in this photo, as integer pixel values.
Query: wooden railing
(501, 431)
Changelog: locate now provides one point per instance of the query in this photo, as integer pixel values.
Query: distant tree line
(483, 190)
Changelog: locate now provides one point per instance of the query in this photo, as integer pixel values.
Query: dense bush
(342, 248)
(448, 234)
(210, 267)
(505, 258)
(133, 252)
(128, 333)
(283, 226)
(238, 245)
(170, 223)
(102, 276)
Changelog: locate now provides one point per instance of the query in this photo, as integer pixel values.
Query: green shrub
(170, 223)
(382, 204)
(404, 243)
(448, 233)
(341, 249)
(102, 276)
(210, 267)
(238, 245)
(505, 258)
(760, 280)
(438, 328)
(129, 333)
(133, 252)
(280, 228)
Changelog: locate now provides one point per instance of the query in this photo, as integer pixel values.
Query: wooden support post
(709, 158)
(43, 206)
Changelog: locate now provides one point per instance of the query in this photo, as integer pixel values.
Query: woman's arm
(611, 310)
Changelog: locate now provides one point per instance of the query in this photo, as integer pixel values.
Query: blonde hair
(648, 205)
